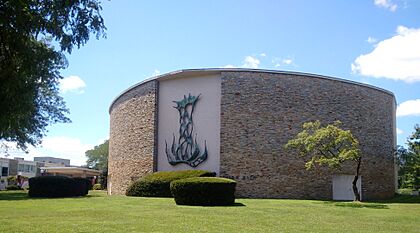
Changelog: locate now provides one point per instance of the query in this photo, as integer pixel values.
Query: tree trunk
(356, 177)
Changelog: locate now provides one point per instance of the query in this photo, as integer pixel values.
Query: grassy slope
(100, 213)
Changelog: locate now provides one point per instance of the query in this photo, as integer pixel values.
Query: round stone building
(236, 122)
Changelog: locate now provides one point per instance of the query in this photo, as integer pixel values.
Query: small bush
(204, 191)
(13, 187)
(12, 180)
(158, 183)
(97, 187)
(57, 186)
(405, 191)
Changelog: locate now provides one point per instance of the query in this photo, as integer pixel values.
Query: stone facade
(259, 112)
(132, 137)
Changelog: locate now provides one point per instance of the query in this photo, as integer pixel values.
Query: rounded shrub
(204, 191)
(158, 184)
(97, 187)
(57, 186)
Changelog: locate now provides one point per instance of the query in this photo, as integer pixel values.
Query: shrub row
(158, 184)
(204, 191)
(58, 186)
(188, 187)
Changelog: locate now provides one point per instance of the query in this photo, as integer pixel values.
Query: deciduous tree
(329, 145)
(34, 37)
(97, 158)
(409, 161)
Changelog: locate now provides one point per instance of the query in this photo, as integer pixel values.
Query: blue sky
(370, 41)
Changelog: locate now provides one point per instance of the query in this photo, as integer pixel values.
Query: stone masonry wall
(132, 136)
(260, 112)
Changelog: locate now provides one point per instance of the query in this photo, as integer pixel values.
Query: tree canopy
(329, 145)
(97, 158)
(409, 161)
(30, 31)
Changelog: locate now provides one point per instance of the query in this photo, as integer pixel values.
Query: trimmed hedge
(204, 191)
(85, 185)
(158, 184)
(58, 186)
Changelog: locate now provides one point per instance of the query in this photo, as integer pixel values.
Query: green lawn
(100, 213)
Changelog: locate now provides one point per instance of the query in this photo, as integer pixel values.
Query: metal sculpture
(186, 149)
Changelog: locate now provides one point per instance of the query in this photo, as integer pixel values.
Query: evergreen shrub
(57, 186)
(158, 184)
(204, 191)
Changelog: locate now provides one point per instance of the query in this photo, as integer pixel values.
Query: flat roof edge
(69, 168)
(220, 70)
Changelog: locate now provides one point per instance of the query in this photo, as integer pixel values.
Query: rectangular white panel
(343, 188)
(205, 118)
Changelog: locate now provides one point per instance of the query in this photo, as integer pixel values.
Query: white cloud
(409, 108)
(287, 61)
(156, 72)
(399, 131)
(72, 84)
(10, 150)
(66, 147)
(251, 62)
(387, 4)
(248, 62)
(396, 58)
(371, 40)
(279, 62)
(59, 147)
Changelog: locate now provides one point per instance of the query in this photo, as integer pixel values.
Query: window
(27, 168)
(4, 171)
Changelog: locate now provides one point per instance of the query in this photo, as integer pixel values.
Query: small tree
(409, 161)
(97, 158)
(329, 145)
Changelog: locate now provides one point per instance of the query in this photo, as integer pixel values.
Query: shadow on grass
(361, 205)
(400, 198)
(378, 204)
(23, 195)
(13, 195)
(236, 204)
